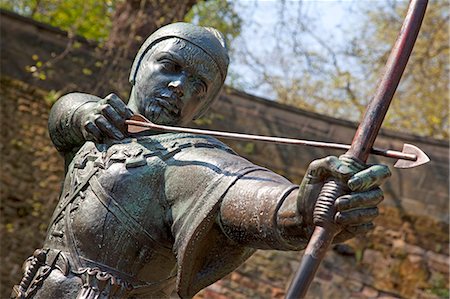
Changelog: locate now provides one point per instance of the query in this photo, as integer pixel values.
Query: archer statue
(144, 215)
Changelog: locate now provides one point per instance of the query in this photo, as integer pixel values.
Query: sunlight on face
(174, 82)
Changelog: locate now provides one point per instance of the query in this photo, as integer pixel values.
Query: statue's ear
(204, 108)
(201, 112)
(214, 96)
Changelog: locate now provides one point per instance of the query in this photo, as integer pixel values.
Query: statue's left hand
(356, 209)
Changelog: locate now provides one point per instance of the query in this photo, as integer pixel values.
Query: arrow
(411, 156)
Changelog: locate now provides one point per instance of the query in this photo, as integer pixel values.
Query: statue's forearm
(263, 213)
(65, 124)
(291, 224)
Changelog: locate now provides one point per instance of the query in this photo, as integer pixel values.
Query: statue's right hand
(106, 120)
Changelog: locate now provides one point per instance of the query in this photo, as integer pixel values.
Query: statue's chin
(159, 115)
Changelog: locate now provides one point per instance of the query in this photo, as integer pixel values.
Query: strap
(65, 201)
(70, 239)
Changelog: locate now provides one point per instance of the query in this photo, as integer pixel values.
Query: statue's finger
(365, 199)
(108, 129)
(349, 232)
(360, 229)
(113, 116)
(93, 132)
(119, 106)
(369, 178)
(330, 166)
(341, 168)
(357, 216)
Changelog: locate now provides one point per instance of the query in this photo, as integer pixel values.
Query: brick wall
(407, 256)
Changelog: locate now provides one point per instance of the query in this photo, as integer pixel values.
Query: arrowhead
(422, 158)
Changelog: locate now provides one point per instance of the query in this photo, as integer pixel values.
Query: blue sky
(260, 18)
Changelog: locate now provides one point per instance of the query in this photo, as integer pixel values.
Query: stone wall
(30, 176)
(407, 256)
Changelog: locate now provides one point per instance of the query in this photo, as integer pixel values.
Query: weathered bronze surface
(145, 214)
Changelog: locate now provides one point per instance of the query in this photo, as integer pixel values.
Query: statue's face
(174, 82)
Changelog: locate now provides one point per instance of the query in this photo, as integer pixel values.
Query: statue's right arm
(79, 117)
(65, 123)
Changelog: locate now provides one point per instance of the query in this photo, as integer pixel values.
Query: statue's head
(178, 72)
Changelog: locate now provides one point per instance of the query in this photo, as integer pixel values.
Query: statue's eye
(169, 65)
(200, 87)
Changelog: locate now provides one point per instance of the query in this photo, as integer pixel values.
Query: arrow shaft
(279, 140)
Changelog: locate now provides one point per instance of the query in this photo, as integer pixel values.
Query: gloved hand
(104, 119)
(355, 210)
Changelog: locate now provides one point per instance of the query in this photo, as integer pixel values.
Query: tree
(336, 74)
(221, 15)
(90, 18)
(421, 105)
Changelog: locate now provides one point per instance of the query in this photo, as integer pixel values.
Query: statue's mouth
(169, 105)
(163, 110)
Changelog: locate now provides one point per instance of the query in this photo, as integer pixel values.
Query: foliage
(92, 19)
(88, 18)
(421, 103)
(439, 287)
(219, 14)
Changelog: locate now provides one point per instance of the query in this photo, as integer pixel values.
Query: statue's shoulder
(79, 97)
(136, 152)
(182, 142)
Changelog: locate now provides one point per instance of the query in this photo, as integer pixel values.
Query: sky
(260, 18)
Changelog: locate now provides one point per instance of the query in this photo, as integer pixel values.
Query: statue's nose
(177, 85)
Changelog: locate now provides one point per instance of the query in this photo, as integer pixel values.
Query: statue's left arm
(223, 208)
(263, 210)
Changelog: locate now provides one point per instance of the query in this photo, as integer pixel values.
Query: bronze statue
(142, 215)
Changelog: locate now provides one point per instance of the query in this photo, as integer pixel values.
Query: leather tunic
(147, 211)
